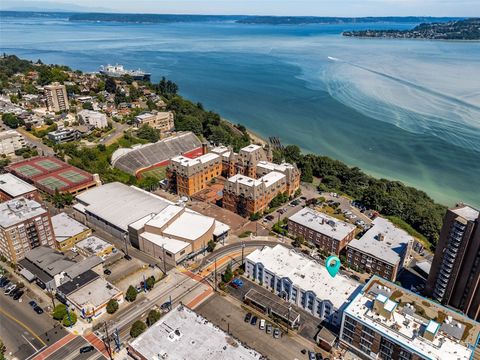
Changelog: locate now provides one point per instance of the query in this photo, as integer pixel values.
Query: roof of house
(13, 186)
(65, 227)
(95, 293)
(384, 241)
(322, 223)
(77, 282)
(93, 245)
(305, 273)
(183, 334)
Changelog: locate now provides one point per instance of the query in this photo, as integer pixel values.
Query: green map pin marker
(333, 265)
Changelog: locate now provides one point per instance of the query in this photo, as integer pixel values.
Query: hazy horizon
(330, 8)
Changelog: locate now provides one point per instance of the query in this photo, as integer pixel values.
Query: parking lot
(228, 314)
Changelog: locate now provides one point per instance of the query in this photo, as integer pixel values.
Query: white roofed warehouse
(301, 281)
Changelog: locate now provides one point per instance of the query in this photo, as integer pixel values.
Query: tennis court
(52, 183)
(73, 176)
(29, 171)
(48, 165)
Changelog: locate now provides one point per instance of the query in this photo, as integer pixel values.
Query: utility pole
(164, 260)
(106, 341)
(51, 297)
(243, 247)
(125, 241)
(288, 323)
(215, 275)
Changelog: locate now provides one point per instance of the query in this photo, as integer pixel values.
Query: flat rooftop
(64, 227)
(272, 178)
(454, 332)
(251, 148)
(322, 223)
(171, 245)
(203, 159)
(244, 180)
(18, 210)
(183, 334)
(466, 212)
(13, 186)
(384, 241)
(164, 216)
(96, 293)
(121, 205)
(306, 274)
(274, 167)
(93, 245)
(189, 226)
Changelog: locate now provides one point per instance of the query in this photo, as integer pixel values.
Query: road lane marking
(30, 343)
(26, 327)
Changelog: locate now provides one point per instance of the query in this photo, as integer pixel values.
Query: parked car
(318, 356)
(276, 333)
(86, 349)
(311, 356)
(254, 320)
(236, 283)
(107, 272)
(18, 295)
(166, 305)
(32, 303)
(269, 328)
(12, 294)
(10, 288)
(269, 217)
(248, 316)
(4, 282)
(38, 310)
(355, 277)
(261, 326)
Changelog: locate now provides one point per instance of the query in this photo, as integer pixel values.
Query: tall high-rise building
(454, 278)
(57, 98)
(24, 225)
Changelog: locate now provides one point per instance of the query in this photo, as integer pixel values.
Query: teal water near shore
(401, 109)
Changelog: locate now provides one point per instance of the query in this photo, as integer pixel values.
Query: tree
(59, 312)
(11, 120)
(146, 132)
(69, 319)
(228, 274)
(112, 306)
(150, 282)
(110, 85)
(211, 245)
(87, 105)
(153, 316)
(2, 350)
(148, 183)
(131, 294)
(137, 328)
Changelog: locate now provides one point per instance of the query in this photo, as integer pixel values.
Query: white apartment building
(10, 140)
(57, 98)
(92, 118)
(301, 281)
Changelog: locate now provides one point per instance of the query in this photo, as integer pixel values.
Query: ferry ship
(118, 71)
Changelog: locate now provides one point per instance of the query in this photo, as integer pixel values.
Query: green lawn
(158, 173)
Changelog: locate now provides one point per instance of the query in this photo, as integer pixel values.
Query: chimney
(204, 148)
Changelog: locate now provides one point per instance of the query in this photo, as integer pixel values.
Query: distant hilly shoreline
(241, 19)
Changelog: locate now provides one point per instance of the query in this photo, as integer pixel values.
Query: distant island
(468, 29)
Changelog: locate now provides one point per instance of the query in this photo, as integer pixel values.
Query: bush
(112, 306)
(137, 328)
(69, 319)
(150, 282)
(255, 216)
(131, 294)
(211, 245)
(59, 312)
(228, 274)
(153, 316)
(245, 234)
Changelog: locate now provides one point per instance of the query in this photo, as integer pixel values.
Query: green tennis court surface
(52, 183)
(48, 164)
(73, 176)
(28, 171)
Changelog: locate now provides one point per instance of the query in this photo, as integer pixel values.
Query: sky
(262, 7)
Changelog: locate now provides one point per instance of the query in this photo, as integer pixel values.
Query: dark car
(254, 320)
(14, 292)
(86, 349)
(32, 303)
(355, 277)
(38, 310)
(4, 283)
(107, 272)
(166, 305)
(248, 316)
(318, 356)
(269, 217)
(18, 295)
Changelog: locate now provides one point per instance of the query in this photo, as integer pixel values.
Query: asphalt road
(71, 351)
(23, 331)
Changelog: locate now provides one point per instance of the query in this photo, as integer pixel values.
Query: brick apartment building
(160, 120)
(328, 233)
(11, 187)
(192, 175)
(24, 225)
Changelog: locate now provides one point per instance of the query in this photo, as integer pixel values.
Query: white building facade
(93, 118)
(301, 281)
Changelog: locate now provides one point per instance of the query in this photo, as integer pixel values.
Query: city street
(24, 332)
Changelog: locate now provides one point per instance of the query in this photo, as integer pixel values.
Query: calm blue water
(406, 110)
